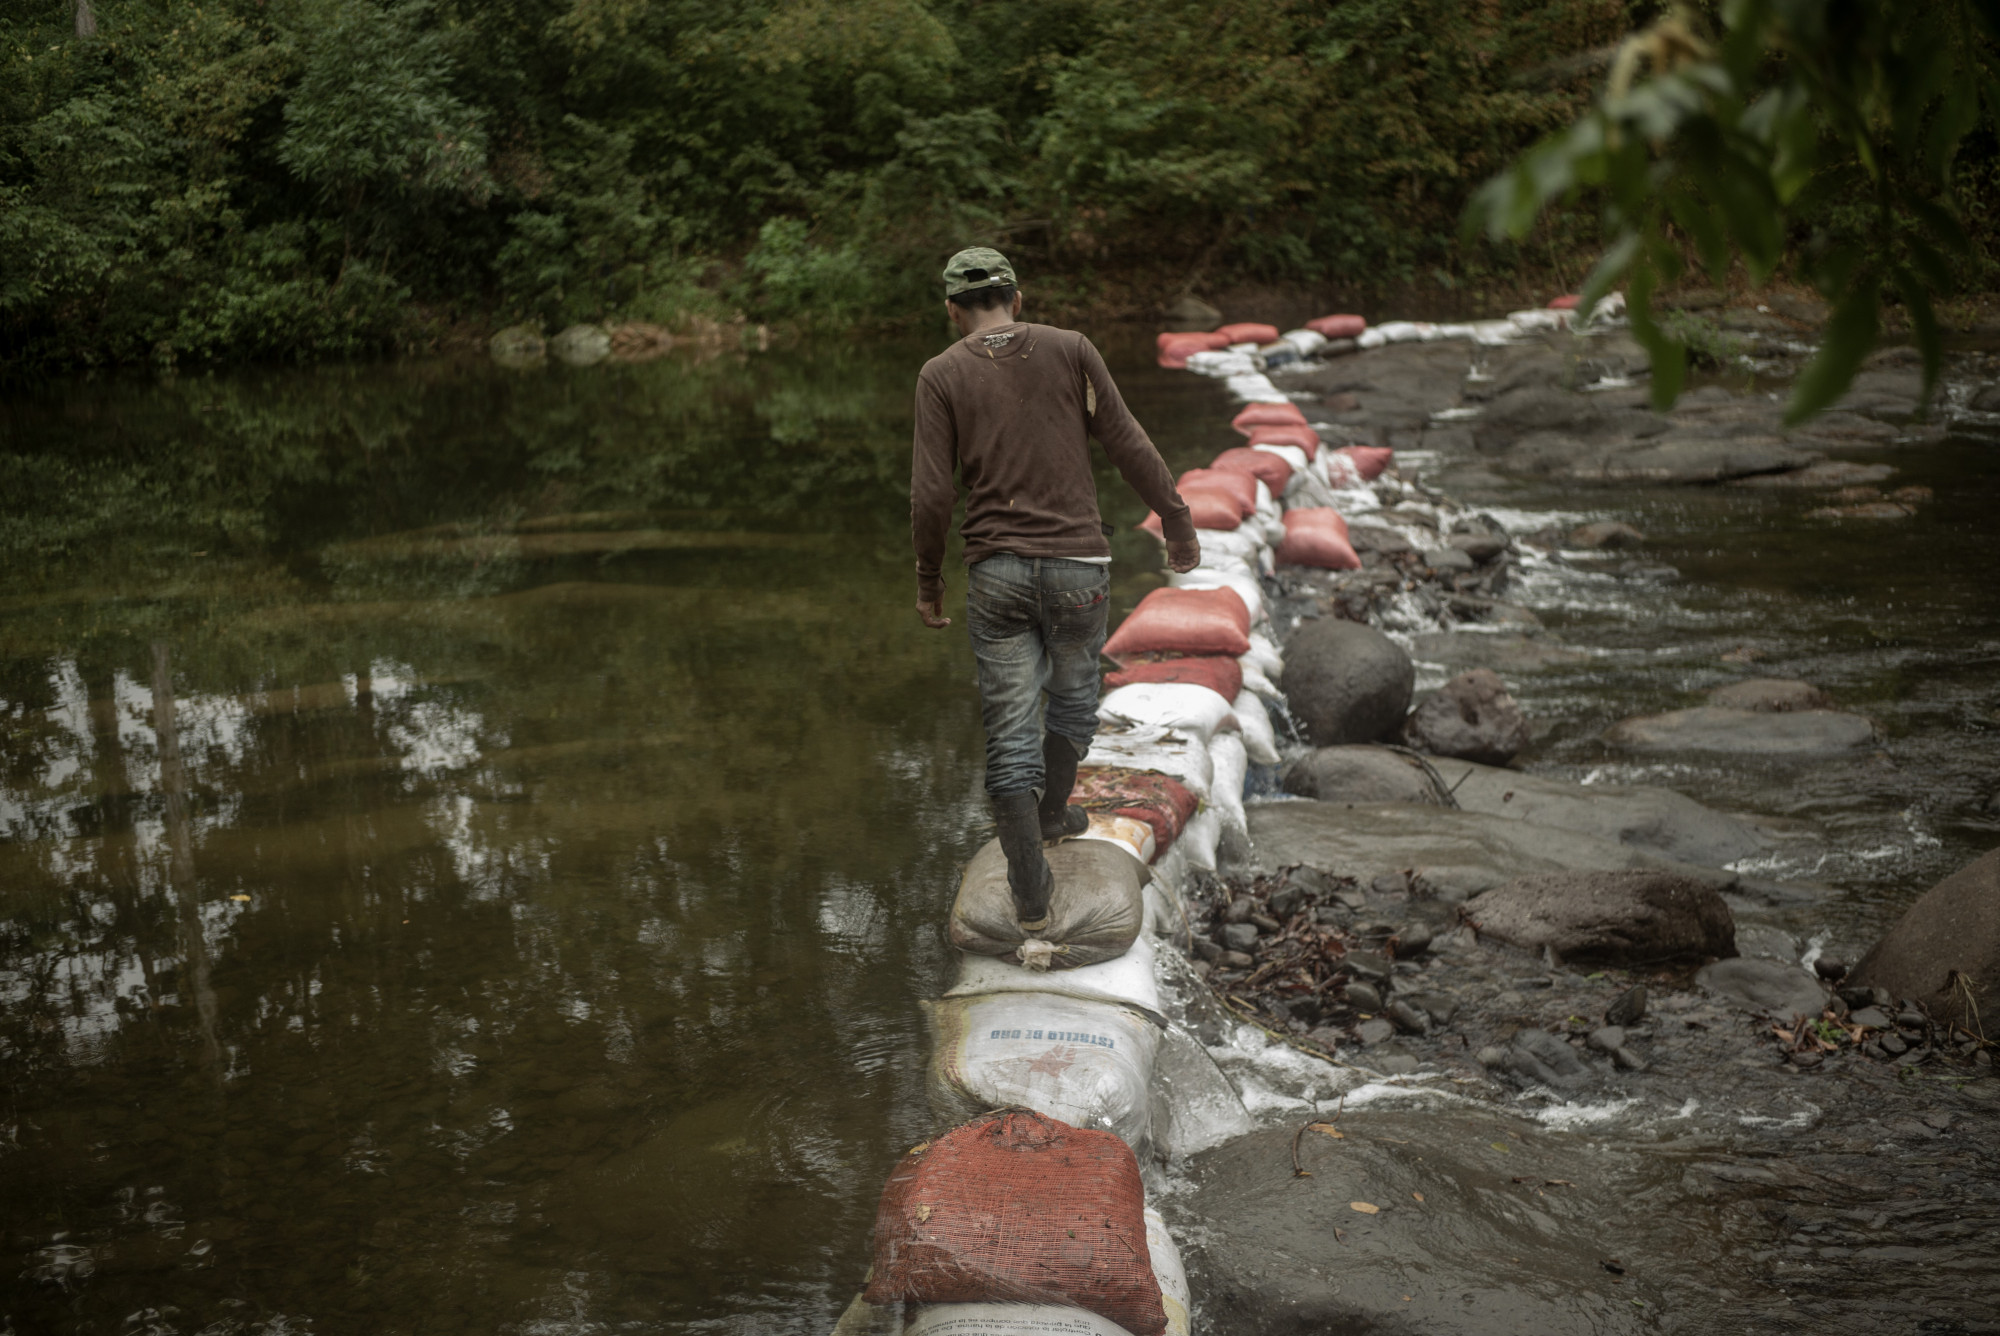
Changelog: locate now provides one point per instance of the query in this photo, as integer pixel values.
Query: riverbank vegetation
(293, 179)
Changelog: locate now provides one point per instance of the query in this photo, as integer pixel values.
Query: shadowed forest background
(239, 179)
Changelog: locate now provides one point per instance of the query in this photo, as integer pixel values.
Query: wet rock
(1360, 774)
(1346, 682)
(1541, 1056)
(1868, 997)
(1744, 732)
(1828, 473)
(1365, 538)
(1234, 960)
(1472, 717)
(1764, 985)
(1367, 965)
(1771, 695)
(1670, 460)
(1605, 533)
(1830, 969)
(1492, 1056)
(518, 346)
(1411, 941)
(1504, 652)
(1607, 1039)
(1445, 560)
(1944, 952)
(1613, 917)
(1265, 923)
(1658, 819)
(1407, 1018)
(1207, 949)
(1768, 943)
(1377, 1031)
(1629, 1008)
(1873, 1018)
(1286, 900)
(1481, 547)
(1627, 1060)
(1363, 997)
(1396, 1064)
(1534, 409)
(1454, 854)
(1240, 936)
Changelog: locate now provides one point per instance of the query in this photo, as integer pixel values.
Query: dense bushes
(294, 178)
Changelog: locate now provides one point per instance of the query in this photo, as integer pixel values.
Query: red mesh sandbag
(1016, 1207)
(1250, 332)
(1305, 438)
(1192, 621)
(1338, 326)
(1369, 460)
(1238, 486)
(1209, 507)
(1566, 302)
(1317, 536)
(1196, 339)
(1272, 470)
(1268, 415)
(1161, 801)
(1223, 676)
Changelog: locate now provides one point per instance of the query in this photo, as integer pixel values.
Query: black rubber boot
(1060, 821)
(1028, 875)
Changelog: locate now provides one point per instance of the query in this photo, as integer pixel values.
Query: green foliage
(1829, 135)
(237, 179)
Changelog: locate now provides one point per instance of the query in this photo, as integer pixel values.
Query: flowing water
(473, 843)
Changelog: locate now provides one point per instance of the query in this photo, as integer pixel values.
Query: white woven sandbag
(1305, 342)
(1264, 653)
(1084, 1062)
(1182, 756)
(1185, 707)
(1199, 840)
(1260, 740)
(1226, 794)
(1208, 577)
(1128, 980)
(1255, 387)
(1221, 363)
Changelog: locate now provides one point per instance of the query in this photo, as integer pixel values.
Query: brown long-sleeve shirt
(1013, 410)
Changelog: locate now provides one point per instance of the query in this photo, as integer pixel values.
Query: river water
(473, 843)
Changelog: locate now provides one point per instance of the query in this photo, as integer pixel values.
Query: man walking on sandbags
(1012, 407)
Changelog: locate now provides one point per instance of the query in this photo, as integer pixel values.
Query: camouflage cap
(976, 267)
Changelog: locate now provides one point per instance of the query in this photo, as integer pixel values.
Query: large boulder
(1453, 854)
(1361, 775)
(1775, 986)
(1748, 732)
(1770, 695)
(1645, 817)
(1473, 718)
(1347, 682)
(1619, 918)
(1416, 1220)
(1945, 950)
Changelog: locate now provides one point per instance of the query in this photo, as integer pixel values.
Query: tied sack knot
(1036, 953)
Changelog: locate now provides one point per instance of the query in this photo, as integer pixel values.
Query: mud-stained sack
(1317, 537)
(1260, 739)
(1087, 1062)
(1019, 1207)
(1218, 672)
(1199, 710)
(1172, 753)
(1249, 332)
(1287, 414)
(1132, 835)
(1338, 326)
(1273, 470)
(1127, 981)
(1304, 438)
(1369, 460)
(1189, 621)
(1098, 907)
(1161, 801)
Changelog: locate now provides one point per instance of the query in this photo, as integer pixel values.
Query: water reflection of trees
(586, 906)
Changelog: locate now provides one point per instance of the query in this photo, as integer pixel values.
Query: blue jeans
(1037, 625)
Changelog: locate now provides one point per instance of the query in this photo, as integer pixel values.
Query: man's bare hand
(1184, 556)
(933, 614)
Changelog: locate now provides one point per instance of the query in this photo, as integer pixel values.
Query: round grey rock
(1347, 682)
(1744, 732)
(1360, 774)
(1472, 717)
(1764, 985)
(1770, 695)
(1632, 917)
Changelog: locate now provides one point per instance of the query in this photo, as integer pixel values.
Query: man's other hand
(933, 614)
(1184, 556)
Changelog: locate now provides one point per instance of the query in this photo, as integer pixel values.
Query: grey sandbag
(1095, 915)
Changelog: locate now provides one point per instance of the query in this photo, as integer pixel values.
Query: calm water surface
(473, 844)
